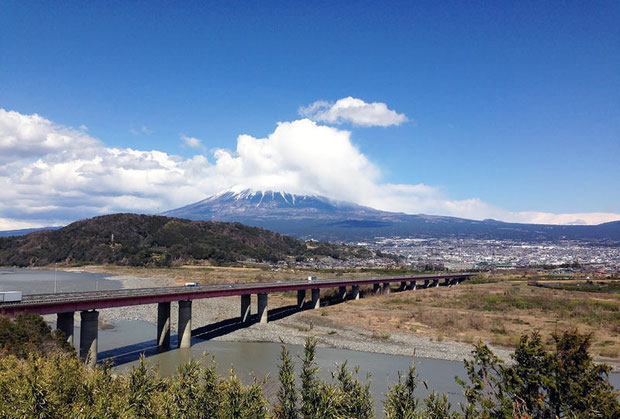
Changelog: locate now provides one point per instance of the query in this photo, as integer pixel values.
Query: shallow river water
(42, 281)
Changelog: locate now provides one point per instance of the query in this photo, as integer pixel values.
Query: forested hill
(149, 240)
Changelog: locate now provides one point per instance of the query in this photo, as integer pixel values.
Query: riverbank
(440, 323)
(292, 329)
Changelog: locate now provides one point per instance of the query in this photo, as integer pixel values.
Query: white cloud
(570, 219)
(192, 142)
(301, 156)
(52, 175)
(8, 224)
(355, 111)
(32, 136)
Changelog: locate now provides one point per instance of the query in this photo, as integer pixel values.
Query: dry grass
(498, 312)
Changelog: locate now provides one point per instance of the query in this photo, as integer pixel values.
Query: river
(41, 281)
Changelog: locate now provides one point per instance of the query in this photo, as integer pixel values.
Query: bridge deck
(91, 300)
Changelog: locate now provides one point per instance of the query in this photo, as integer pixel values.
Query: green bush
(287, 394)
(540, 384)
(28, 333)
(345, 397)
(40, 378)
(60, 386)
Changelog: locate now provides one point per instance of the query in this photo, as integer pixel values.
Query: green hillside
(150, 240)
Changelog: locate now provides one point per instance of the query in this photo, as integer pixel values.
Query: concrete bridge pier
(185, 324)
(342, 293)
(262, 308)
(426, 281)
(435, 283)
(355, 292)
(412, 285)
(163, 325)
(386, 287)
(301, 298)
(246, 308)
(376, 288)
(88, 336)
(316, 298)
(403, 286)
(64, 323)
(447, 282)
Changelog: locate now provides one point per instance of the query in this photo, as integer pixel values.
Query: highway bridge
(64, 305)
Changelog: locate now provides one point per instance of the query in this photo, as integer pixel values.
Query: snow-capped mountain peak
(253, 194)
(238, 205)
(271, 199)
(316, 216)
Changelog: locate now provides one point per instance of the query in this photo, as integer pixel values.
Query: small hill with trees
(151, 240)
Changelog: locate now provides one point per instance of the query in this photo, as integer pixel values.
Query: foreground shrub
(60, 386)
(539, 384)
(401, 402)
(28, 333)
(287, 394)
(344, 397)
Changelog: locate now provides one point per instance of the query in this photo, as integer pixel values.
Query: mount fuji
(319, 217)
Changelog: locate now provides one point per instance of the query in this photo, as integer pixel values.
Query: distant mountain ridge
(24, 231)
(319, 217)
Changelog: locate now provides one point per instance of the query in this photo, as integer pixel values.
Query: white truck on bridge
(10, 296)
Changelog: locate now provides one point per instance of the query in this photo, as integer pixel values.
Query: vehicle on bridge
(10, 296)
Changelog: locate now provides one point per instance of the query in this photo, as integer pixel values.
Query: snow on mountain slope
(270, 204)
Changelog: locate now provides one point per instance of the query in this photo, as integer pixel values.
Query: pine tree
(357, 401)
(142, 385)
(309, 380)
(401, 402)
(287, 393)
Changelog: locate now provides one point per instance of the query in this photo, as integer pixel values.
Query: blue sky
(513, 104)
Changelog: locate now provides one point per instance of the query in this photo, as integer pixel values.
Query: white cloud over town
(51, 175)
(352, 110)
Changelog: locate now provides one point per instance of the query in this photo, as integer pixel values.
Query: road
(92, 300)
